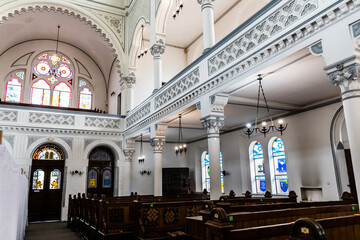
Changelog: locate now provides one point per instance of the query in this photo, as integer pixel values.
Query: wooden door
(45, 192)
(350, 171)
(101, 172)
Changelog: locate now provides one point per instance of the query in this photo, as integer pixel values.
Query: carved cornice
(218, 103)
(212, 125)
(157, 49)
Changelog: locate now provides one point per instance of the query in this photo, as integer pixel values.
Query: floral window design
(61, 95)
(13, 91)
(40, 92)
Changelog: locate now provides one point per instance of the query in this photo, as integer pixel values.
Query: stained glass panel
(65, 60)
(63, 71)
(206, 172)
(100, 156)
(48, 152)
(43, 56)
(280, 170)
(54, 58)
(40, 93)
(85, 99)
(20, 75)
(55, 179)
(92, 179)
(107, 179)
(61, 95)
(42, 68)
(38, 180)
(259, 168)
(82, 83)
(13, 91)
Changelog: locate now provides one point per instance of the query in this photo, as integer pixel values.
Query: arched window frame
(60, 94)
(19, 75)
(253, 175)
(32, 92)
(273, 175)
(206, 184)
(88, 86)
(63, 60)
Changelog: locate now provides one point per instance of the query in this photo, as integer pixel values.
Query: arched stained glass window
(107, 179)
(278, 168)
(13, 91)
(38, 179)
(257, 168)
(85, 99)
(55, 179)
(49, 152)
(205, 172)
(61, 95)
(40, 93)
(92, 179)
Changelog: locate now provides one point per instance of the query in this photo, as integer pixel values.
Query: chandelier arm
(57, 39)
(267, 107)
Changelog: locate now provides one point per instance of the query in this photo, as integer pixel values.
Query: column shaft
(157, 173)
(157, 72)
(208, 25)
(215, 170)
(127, 178)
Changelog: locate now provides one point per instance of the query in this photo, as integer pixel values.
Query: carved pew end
(307, 228)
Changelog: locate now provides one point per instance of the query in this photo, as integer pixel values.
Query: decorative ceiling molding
(18, 7)
(23, 60)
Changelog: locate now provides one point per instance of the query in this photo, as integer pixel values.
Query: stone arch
(114, 147)
(14, 8)
(57, 141)
(136, 43)
(162, 16)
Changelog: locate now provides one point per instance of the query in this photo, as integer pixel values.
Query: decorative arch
(57, 141)
(113, 146)
(162, 16)
(14, 8)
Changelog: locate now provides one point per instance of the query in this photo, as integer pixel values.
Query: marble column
(207, 12)
(157, 50)
(127, 171)
(346, 76)
(213, 124)
(130, 81)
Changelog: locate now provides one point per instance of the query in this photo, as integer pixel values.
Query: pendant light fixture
(141, 158)
(143, 51)
(264, 130)
(181, 147)
(178, 8)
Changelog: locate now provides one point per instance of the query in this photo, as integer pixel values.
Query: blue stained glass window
(20, 75)
(206, 173)
(280, 169)
(13, 91)
(107, 179)
(259, 168)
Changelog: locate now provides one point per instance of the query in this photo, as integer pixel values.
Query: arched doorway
(101, 172)
(46, 183)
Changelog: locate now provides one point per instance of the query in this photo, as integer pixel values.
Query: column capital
(212, 124)
(345, 75)
(129, 153)
(130, 80)
(157, 143)
(158, 48)
(202, 2)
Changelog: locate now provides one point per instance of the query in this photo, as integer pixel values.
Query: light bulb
(248, 125)
(180, 147)
(176, 148)
(281, 121)
(263, 124)
(184, 145)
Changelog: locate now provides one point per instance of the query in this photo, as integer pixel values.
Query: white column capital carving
(205, 2)
(130, 80)
(345, 75)
(129, 153)
(213, 125)
(157, 143)
(158, 49)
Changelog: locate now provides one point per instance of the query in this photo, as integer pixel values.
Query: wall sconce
(112, 94)
(225, 173)
(145, 172)
(76, 172)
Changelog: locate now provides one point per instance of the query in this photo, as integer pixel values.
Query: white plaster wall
(309, 158)
(235, 17)
(173, 61)
(114, 86)
(12, 54)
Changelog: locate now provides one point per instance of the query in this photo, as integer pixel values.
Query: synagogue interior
(179, 119)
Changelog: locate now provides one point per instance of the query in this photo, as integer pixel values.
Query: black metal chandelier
(264, 130)
(143, 51)
(178, 8)
(181, 147)
(141, 158)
